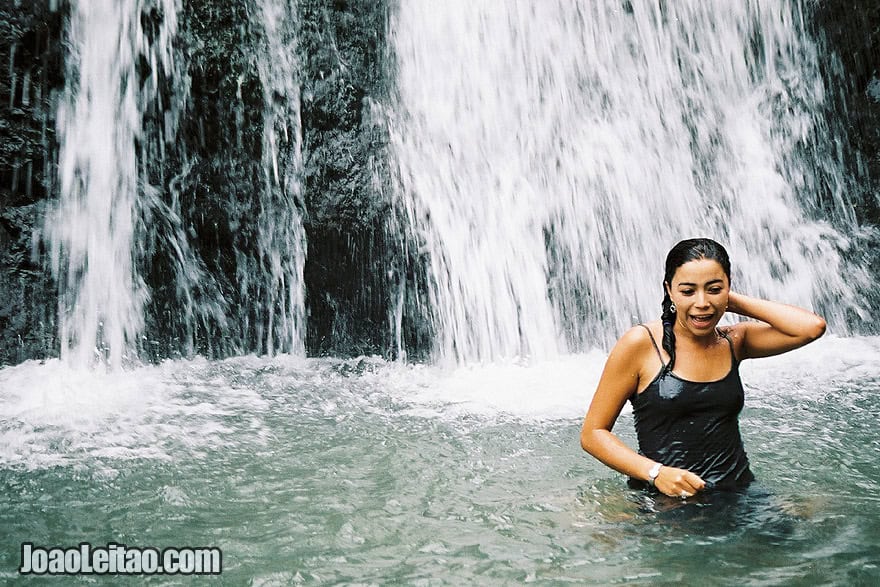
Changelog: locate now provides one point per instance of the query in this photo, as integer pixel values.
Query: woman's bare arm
(620, 379)
(781, 328)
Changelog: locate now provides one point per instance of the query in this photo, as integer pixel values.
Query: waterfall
(92, 226)
(127, 202)
(545, 156)
(550, 152)
(282, 239)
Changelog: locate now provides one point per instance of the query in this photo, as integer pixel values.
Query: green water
(361, 472)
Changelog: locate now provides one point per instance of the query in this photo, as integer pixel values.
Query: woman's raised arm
(781, 328)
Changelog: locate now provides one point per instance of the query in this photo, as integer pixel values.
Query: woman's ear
(668, 290)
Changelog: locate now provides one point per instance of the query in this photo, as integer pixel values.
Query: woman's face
(699, 289)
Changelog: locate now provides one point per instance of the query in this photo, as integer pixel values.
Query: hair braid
(668, 319)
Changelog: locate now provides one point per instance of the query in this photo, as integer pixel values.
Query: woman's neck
(683, 333)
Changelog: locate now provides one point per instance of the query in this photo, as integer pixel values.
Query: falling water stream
(92, 228)
(546, 155)
(282, 236)
(551, 152)
(104, 226)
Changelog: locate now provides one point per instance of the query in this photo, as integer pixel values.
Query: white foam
(563, 388)
(811, 371)
(54, 415)
(553, 389)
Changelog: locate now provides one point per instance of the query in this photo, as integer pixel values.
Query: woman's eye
(686, 292)
(715, 290)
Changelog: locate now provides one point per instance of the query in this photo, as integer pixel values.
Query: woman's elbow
(817, 328)
(585, 440)
(588, 439)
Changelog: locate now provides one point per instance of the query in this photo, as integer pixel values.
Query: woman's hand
(733, 303)
(678, 482)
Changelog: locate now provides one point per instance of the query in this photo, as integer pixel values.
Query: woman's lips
(702, 320)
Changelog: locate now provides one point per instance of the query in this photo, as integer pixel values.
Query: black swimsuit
(694, 425)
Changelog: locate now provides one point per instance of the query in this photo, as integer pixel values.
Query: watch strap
(653, 472)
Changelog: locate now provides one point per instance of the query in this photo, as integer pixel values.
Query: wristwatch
(653, 472)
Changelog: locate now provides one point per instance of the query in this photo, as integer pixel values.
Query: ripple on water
(343, 471)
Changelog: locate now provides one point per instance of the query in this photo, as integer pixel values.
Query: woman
(687, 395)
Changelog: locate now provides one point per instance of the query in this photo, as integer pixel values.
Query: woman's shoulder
(642, 336)
(734, 333)
(629, 361)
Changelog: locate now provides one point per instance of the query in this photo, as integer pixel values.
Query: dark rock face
(212, 169)
(343, 49)
(341, 52)
(215, 161)
(30, 79)
(852, 33)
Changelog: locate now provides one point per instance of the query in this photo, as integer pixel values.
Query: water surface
(367, 472)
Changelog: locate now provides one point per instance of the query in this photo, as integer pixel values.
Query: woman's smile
(703, 321)
(699, 289)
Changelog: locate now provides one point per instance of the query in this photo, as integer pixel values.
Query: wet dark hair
(691, 249)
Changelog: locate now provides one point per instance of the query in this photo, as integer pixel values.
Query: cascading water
(91, 229)
(110, 221)
(282, 241)
(550, 153)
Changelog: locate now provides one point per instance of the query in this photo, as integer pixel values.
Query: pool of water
(365, 472)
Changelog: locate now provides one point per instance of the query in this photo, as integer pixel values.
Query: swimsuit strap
(654, 342)
(729, 343)
(719, 331)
